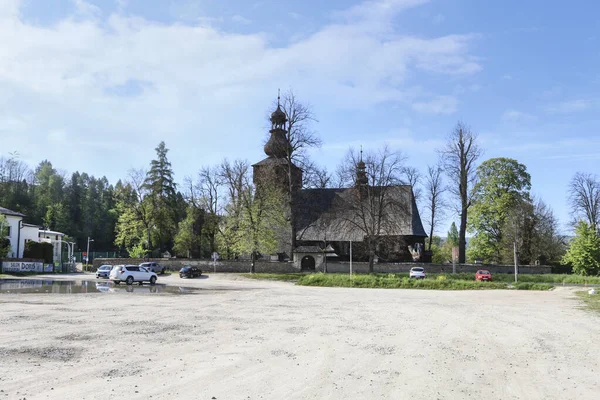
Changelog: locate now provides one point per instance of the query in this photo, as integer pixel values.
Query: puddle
(16, 286)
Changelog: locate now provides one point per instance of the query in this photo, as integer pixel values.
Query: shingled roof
(332, 214)
(6, 211)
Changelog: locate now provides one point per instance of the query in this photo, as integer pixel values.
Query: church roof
(272, 161)
(335, 214)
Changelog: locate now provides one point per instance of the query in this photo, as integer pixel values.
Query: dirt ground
(244, 339)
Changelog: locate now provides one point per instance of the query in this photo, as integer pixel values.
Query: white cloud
(571, 106)
(241, 19)
(514, 115)
(198, 77)
(438, 105)
(86, 9)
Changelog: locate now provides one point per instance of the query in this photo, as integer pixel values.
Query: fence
(79, 257)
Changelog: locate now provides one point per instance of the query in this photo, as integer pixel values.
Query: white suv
(132, 273)
(417, 272)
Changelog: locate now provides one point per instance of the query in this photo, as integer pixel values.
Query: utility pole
(515, 251)
(87, 253)
(351, 258)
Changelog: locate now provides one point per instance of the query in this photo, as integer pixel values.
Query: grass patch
(532, 286)
(275, 277)
(396, 281)
(592, 301)
(528, 278)
(464, 281)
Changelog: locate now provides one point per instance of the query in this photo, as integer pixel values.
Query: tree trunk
(432, 223)
(371, 262)
(252, 267)
(462, 240)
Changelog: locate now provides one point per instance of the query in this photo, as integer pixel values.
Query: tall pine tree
(162, 197)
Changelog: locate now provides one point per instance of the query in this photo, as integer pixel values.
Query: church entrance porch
(307, 263)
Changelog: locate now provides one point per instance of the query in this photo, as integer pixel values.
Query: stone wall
(205, 265)
(342, 267)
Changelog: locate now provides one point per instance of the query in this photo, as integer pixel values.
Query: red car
(483, 275)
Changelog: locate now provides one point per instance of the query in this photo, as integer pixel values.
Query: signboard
(455, 253)
(17, 266)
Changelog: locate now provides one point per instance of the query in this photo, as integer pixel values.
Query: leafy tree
(262, 218)
(441, 251)
(162, 199)
(4, 241)
(187, 240)
(584, 250)
(235, 178)
(134, 225)
(502, 191)
(452, 238)
(459, 156)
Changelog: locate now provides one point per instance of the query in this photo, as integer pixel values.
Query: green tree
(187, 240)
(452, 238)
(502, 188)
(163, 201)
(4, 241)
(584, 250)
(262, 218)
(134, 224)
(441, 251)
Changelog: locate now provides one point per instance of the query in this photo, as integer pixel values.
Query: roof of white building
(6, 211)
(47, 232)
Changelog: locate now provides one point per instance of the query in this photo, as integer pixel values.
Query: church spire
(361, 172)
(278, 145)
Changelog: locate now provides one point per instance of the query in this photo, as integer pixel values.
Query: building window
(8, 231)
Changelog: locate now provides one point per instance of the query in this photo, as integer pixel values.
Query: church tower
(273, 171)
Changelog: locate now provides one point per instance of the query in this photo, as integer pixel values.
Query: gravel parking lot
(244, 339)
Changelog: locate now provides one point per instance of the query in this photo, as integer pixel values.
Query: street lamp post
(87, 253)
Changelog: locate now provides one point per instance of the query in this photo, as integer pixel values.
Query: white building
(20, 233)
(55, 238)
(15, 221)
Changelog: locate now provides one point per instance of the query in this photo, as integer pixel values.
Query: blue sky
(95, 85)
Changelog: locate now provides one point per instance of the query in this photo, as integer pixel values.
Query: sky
(95, 85)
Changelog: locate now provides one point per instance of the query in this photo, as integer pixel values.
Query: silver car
(103, 271)
(154, 267)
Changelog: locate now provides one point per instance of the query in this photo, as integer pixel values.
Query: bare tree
(413, 178)
(375, 208)
(234, 176)
(314, 177)
(584, 198)
(434, 190)
(459, 156)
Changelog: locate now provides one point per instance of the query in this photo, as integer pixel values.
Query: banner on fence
(18, 266)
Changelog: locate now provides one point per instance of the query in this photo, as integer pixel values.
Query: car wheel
(129, 280)
(152, 280)
(117, 282)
